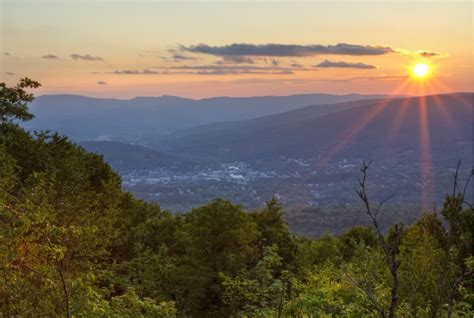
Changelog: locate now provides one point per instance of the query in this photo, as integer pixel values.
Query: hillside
(305, 157)
(85, 118)
(365, 127)
(125, 157)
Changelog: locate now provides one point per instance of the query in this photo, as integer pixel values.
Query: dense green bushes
(73, 244)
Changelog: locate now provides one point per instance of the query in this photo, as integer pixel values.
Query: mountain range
(356, 129)
(307, 156)
(85, 118)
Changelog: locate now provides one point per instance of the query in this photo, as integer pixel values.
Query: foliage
(14, 101)
(72, 243)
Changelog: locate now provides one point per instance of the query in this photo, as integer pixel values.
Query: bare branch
(456, 176)
(466, 185)
(368, 292)
(390, 248)
(381, 203)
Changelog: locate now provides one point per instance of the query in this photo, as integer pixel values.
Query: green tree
(129, 305)
(274, 231)
(217, 238)
(59, 214)
(14, 101)
(259, 291)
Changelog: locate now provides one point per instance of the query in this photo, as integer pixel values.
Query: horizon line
(251, 96)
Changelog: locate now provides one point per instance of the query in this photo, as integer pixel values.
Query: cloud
(101, 83)
(212, 69)
(136, 72)
(369, 78)
(237, 71)
(6, 54)
(9, 73)
(287, 80)
(178, 57)
(245, 49)
(226, 59)
(50, 57)
(422, 53)
(342, 64)
(266, 81)
(428, 54)
(85, 57)
(295, 63)
(220, 69)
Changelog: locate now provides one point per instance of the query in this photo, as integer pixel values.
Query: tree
(217, 238)
(350, 239)
(422, 263)
(58, 217)
(459, 247)
(257, 291)
(14, 101)
(390, 245)
(7, 173)
(72, 243)
(274, 231)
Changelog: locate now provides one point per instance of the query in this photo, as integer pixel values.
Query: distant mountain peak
(161, 99)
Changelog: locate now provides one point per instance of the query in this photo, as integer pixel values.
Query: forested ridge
(73, 244)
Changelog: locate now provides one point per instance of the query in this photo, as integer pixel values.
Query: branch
(362, 193)
(390, 248)
(457, 282)
(369, 295)
(466, 185)
(381, 203)
(456, 176)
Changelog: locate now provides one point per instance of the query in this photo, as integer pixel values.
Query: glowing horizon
(202, 49)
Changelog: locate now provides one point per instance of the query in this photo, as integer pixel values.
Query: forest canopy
(73, 244)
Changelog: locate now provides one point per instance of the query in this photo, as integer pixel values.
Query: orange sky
(145, 47)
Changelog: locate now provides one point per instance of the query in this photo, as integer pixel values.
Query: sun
(421, 70)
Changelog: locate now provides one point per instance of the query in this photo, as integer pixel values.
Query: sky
(199, 49)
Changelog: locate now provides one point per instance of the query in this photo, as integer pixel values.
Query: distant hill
(308, 156)
(85, 118)
(363, 128)
(124, 157)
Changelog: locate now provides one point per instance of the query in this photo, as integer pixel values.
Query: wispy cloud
(342, 64)
(85, 57)
(101, 83)
(177, 56)
(9, 73)
(429, 54)
(369, 78)
(422, 53)
(245, 49)
(212, 69)
(50, 57)
(237, 71)
(229, 69)
(226, 59)
(293, 80)
(295, 63)
(136, 72)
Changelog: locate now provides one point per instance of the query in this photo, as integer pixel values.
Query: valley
(306, 157)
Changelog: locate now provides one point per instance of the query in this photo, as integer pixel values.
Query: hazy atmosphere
(239, 158)
(125, 49)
